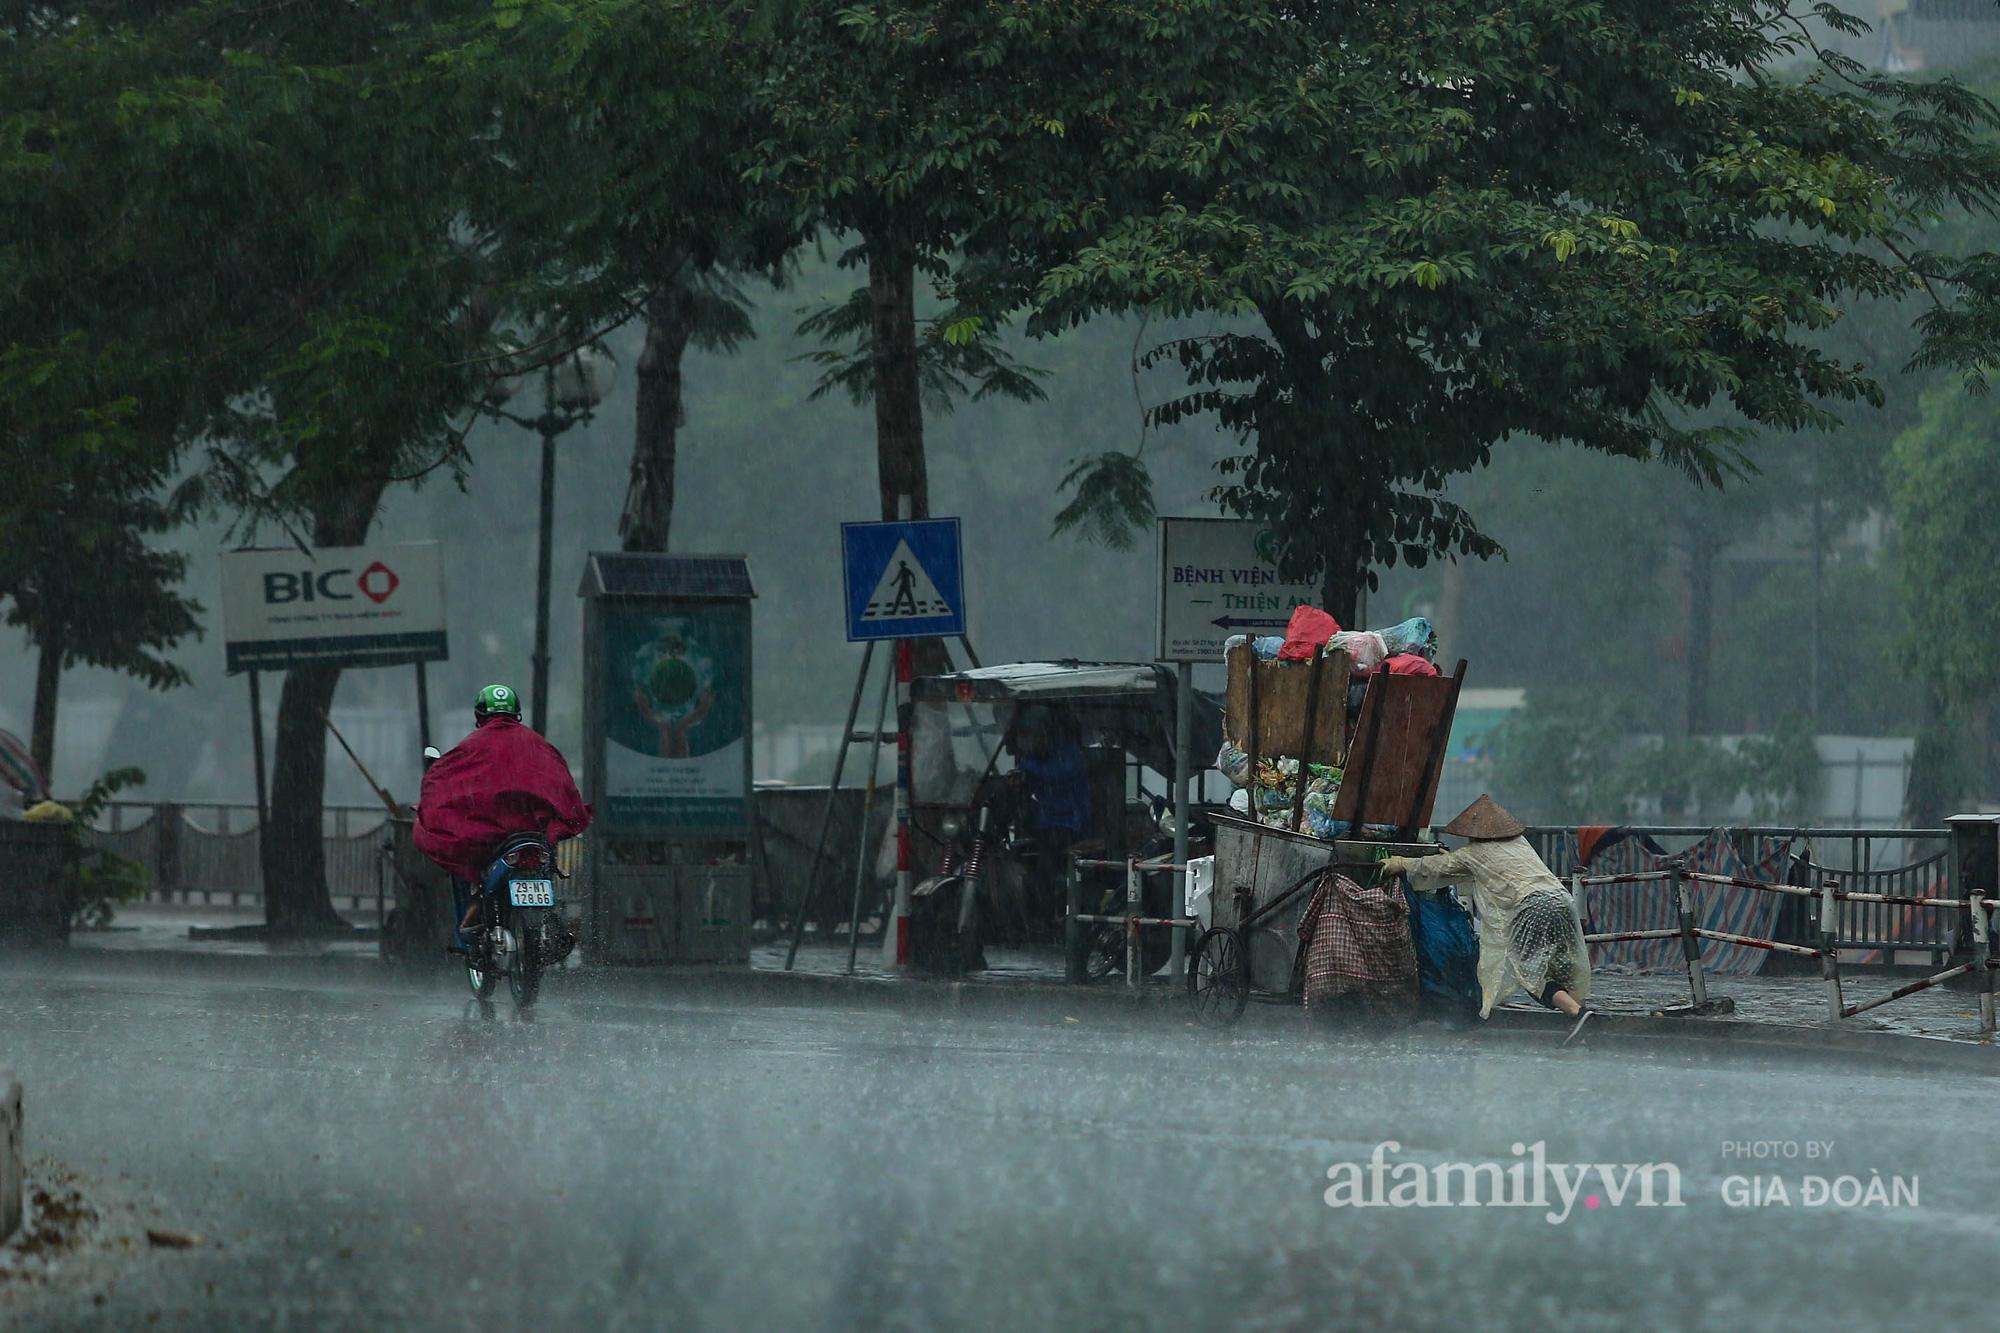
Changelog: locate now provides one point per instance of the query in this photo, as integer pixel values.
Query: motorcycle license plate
(531, 892)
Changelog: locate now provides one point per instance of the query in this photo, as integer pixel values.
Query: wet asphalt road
(368, 1158)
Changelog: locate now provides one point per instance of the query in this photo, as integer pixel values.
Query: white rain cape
(1500, 876)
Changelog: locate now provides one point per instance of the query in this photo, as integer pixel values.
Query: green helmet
(497, 699)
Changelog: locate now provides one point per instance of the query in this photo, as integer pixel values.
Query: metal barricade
(1131, 919)
(1830, 905)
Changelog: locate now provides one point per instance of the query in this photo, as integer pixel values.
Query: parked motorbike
(965, 903)
(1104, 946)
(945, 910)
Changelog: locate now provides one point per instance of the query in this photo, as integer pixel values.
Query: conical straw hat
(1485, 821)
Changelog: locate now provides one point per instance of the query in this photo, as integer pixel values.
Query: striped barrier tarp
(1618, 908)
(18, 770)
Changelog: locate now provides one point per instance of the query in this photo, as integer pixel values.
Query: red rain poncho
(501, 779)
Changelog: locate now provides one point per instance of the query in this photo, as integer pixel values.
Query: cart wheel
(1218, 977)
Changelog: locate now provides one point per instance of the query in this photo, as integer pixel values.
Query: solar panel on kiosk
(673, 576)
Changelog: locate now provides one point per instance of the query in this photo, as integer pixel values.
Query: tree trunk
(1340, 588)
(1340, 523)
(1344, 577)
(1450, 619)
(296, 898)
(1701, 632)
(899, 408)
(48, 683)
(649, 498)
(1936, 773)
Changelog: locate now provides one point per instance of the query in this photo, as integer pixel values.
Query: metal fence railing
(208, 853)
(1875, 862)
(1970, 917)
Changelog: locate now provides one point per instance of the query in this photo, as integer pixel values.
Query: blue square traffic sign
(903, 580)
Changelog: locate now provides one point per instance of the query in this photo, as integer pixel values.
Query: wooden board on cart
(1277, 725)
(1255, 864)
(1397, 754)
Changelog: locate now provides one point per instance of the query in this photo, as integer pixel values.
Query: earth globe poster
(676, 750)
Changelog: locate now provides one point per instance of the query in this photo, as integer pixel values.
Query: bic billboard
(350, 606)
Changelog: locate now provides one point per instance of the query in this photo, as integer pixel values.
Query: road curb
(1901, 1048)
(277, 967)
(1024, 999)
(13, 1174)
(1029, 1000)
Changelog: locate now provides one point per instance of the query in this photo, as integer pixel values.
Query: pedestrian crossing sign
(903, 580)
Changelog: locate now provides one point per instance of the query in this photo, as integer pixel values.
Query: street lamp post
(571, 389)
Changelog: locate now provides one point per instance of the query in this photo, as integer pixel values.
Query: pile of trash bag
(1407, 648)
(1276, 788)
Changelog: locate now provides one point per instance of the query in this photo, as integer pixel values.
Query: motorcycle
(959, 907)
(510, 924)
(946, 909)
(519, 930)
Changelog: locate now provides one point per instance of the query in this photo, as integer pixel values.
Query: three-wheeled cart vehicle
(1391, 754)
(1018, 771)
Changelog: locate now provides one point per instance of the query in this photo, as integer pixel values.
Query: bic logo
(377, 583)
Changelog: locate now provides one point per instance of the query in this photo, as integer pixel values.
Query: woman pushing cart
(1530, 934)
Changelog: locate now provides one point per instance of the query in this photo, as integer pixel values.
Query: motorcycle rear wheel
(524, 978)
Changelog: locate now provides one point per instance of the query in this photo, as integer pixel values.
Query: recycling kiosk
(666, 706)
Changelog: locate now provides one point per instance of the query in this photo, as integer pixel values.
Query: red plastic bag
(1408, 664)
(1308, 632)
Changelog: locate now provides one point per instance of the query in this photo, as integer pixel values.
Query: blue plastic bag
(1447, 955)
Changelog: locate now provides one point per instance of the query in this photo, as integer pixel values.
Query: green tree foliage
(97, 878)
(1449, 225)
(913, 133)
(1945, 476)
(237, 254)
(1569, 756)
(614, 193)
(79, 570)
(958, 359)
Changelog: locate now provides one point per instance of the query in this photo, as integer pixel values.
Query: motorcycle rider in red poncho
(500, 780)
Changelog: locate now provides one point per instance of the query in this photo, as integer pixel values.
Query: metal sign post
(423, 707)
(257, 744)
(1183, 770)
(904, 580)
